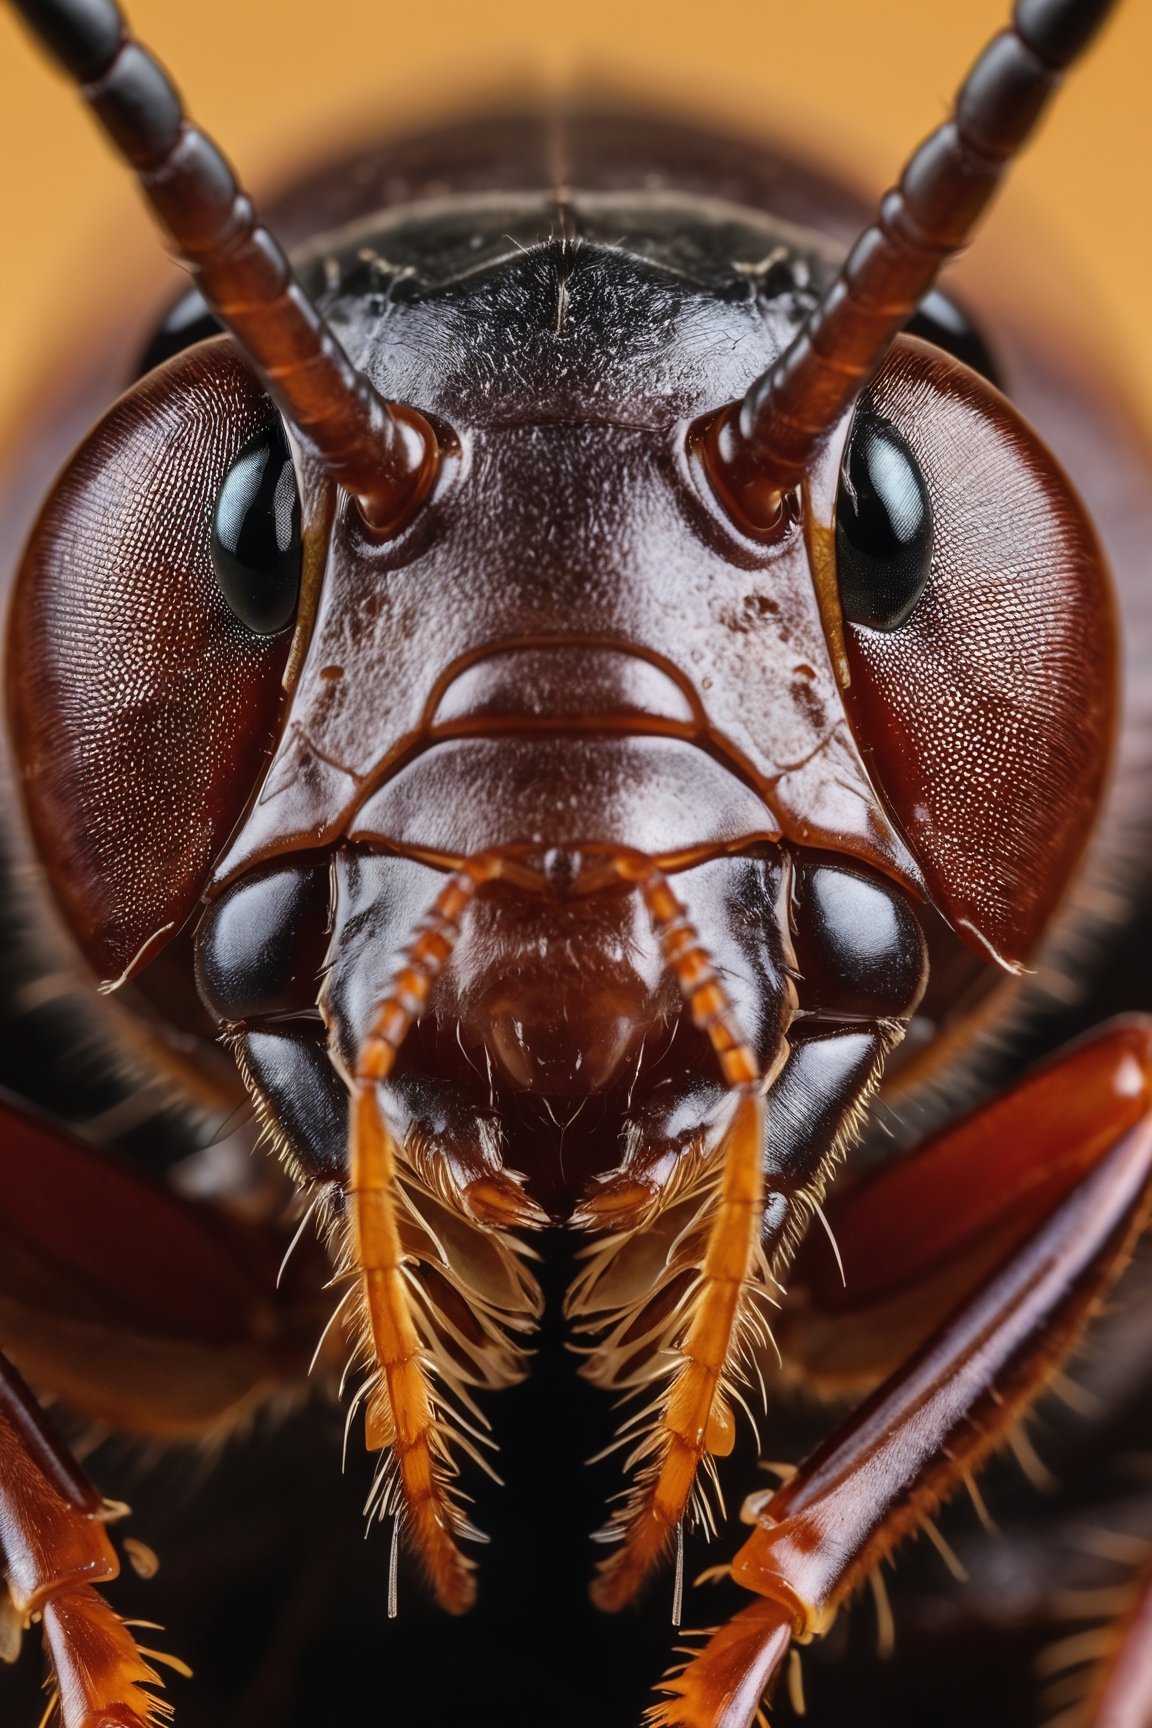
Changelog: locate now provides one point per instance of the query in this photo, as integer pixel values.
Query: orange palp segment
(692, 1349)
(401, 1409)
(442, 1305)
(442, 1298)
(682, 1329)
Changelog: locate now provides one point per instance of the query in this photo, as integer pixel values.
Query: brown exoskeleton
(595, 727)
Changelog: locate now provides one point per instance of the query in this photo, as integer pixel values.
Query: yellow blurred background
(858, 81)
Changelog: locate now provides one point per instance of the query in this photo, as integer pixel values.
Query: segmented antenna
(385, 455)
(758, 449)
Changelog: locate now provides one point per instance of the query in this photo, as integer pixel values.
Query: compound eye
(941, 321)
(187, 322)
(883, 526)
(986, 717)
(256, 548)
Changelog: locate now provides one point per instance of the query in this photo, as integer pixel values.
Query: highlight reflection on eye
(256, 546)
(883, 526)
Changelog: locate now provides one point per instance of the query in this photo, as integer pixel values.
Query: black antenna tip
(1059, 30)
(83, 35)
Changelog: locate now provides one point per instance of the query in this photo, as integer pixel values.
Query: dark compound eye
(188, 321)
(940, 320)
(256, 535)
(883, 526)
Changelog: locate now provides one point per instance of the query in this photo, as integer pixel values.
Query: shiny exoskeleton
(580, 701)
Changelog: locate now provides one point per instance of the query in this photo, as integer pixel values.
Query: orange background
(859, 80)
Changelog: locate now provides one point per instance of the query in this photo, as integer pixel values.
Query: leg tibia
(935, 1420)
(920, 1233)
(54, 1549)
(1123, 1696)
(136, 1308)
(954, 1402)
(139, 1310)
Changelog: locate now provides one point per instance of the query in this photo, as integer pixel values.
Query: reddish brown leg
(1123, 1697)
(921, 1233)
(1065, 1160)
(55, 1549)
(138, 1310)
